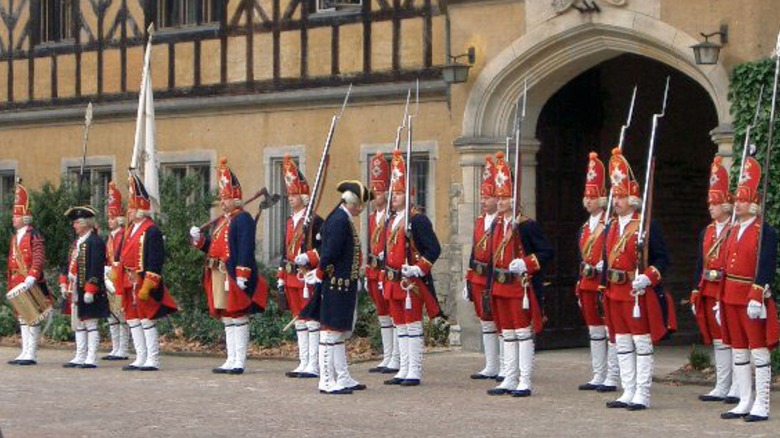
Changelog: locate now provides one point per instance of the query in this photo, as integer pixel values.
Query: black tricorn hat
(356, 187)
(81, 212)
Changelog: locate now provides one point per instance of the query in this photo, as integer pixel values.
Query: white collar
(489, 218)
(296, 217)
(379, 215)
(719, 226)
(136, 225)
(116, 231)
(593, 221)
(83, 238)
(743, 226)
(398, 218)
(20, 233)
(624, 220)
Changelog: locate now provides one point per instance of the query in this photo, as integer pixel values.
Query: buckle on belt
(480, 268)
(587, 270)
(617, 276)
(392, 274)
(289, 267)
(374, 261)
(503, 276)
(713, 275)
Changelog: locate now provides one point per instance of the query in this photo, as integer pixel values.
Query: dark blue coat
(535, 242)
(335, 299)
(90, 269)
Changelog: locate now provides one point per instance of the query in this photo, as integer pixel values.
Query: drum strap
(18, 257)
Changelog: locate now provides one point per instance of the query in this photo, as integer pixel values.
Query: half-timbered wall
(257, 45)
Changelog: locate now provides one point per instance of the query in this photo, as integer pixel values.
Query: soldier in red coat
(379, 181)
(475, 285)
(139, 274)
(708, 281)
(519, 252)
(298, 256)
(591, 247)
(408, 283)
(234, 288)
(638, 311)
(749, 316)
(26, 260)
(117, 323)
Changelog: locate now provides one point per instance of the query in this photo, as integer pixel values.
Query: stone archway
(547, 57)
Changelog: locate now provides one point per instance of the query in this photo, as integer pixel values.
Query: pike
(767, 167)
(519, 116)
(647, 194)
(621, 141)
(87, 125)
(398, 132)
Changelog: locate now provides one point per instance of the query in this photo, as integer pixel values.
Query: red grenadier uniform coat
(26, 257)
(377, 223)
(481, 245)
(591, 246)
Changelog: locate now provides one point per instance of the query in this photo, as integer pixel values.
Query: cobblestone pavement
(186, 400)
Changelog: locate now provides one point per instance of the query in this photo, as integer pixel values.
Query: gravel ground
(185, 400)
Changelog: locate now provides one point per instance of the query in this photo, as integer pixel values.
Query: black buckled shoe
(732, 415)
(71, 365)
(711, 398)
(390, 371)
(617, 404)
(292, 374)
(731, 400)
(410, 382)
(13, 362)
(606, 388)
(636, 407)
(497, 391)
(236, 371)
(220, 370)
(149, 369)
(26, 362)
(339, 391)
(499, 379)
(393, 381)
(112, 357)
(750, 418)
(480, 376)
(589, 387)
(308, 376)
(130, 367)
(358, 387)
(87, 366)
(521, 393)
(377, 370)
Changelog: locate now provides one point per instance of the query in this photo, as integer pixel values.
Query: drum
(31, 304)
(114, 299)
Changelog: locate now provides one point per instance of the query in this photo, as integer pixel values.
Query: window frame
(206, 158)
(63, 25)
(208, 13)
(7, 171)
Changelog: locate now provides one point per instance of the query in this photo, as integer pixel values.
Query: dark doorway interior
(585, 115)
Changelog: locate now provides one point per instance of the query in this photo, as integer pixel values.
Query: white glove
(241, 282)
(716, 309)
(311, 278)
(754, 309)
(89, 298)
(600, 266)
(106, 271)
(381, 256)
(29, 281)
(279, 283)
(64, 291)
(411, 271)
(517, 266)
(466, 295)
(302, 259)
(381, 286)
(693, 309)
(641, 283)
(195, 233)
(365, 284)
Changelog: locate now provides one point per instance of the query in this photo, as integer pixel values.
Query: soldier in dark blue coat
(334, 303)
(81, 282)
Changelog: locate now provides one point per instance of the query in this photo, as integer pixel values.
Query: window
(173, 13)
(279, 214)
(56, 20)
(199, 170)
(337, 5)
(97, 179)
(7, 187)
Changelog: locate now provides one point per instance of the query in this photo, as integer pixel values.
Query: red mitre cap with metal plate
(595, 178)
(229, 187)
(503, 178)
(398, 172)
(138, 197)
(488, 188)
(21, 200)
(114, 202)
(621, 175)
(747, 189)
(379, 180)
(293, 178)
(719, 183)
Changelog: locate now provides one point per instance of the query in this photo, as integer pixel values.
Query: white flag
(144, 148)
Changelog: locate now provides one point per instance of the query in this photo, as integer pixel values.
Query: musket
(268, 202)
(405, 283)
(398, 132)
(621, 141)
(319, 181)
(519, 116)
(766, 168)
(646, 213)
(747, 147)
(87, 125)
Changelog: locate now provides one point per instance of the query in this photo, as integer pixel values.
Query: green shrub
(7, 320)
(699, 358)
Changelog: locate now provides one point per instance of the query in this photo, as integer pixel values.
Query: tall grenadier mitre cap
(488, 187)
(114, 201)
(719, 183)
(379, 178)
(229, 187)
(747, 188)
(595, 184)
(138, 196)
(398, 172)
(621, 176)
(21, 200)
(294, 180)
(503, 179)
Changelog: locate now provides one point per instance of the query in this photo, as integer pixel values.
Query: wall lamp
(454, 72)
(706, 52)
